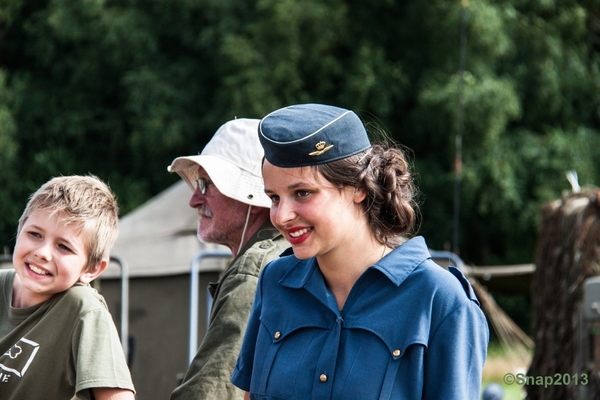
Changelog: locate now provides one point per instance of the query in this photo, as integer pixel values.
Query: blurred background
(498, 101)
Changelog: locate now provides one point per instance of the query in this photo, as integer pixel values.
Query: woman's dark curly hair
(383, 171)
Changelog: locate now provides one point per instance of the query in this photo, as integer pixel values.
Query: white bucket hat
(233, 161)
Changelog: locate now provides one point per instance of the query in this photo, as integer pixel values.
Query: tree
(8, 155)
(98, 87)
(119, 88)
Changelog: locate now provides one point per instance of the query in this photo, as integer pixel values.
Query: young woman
(359, 311)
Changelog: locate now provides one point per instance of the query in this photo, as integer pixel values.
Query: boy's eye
(65, 248)
(34, 234)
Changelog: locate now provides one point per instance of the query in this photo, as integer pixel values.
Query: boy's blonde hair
(85, 201)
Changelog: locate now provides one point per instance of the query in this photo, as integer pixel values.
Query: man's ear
(93, 272)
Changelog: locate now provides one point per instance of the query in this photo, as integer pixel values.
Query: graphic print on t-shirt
(18, 358)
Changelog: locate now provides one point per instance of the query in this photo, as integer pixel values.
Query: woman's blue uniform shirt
(409, 330)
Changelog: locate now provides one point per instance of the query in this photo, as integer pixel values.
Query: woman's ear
(93, 272)
(359, 195)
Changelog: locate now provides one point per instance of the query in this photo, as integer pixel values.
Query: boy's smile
(49, 258)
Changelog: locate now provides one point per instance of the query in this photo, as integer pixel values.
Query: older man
(233, 210)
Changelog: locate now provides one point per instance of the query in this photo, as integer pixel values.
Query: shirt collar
(403, 260)
(397, 265)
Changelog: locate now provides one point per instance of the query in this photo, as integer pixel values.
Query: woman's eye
(275, 199)
(302, 193)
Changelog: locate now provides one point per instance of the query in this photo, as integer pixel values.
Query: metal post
(459, 129)
(194, 296)
(124, 303)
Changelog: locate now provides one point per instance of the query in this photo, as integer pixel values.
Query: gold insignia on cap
(320, 148)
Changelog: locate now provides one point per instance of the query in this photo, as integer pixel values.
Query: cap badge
(321, 148)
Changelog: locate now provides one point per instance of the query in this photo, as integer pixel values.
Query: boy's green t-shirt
(58, 349)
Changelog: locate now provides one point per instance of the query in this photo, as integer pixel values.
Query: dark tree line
(119, 88)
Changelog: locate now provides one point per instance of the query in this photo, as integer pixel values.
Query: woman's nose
(282, 213)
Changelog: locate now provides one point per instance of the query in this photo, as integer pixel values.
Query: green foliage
(8, 154)
(119, 88)
(531, 114)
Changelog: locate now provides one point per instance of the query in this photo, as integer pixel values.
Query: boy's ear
(93, 272)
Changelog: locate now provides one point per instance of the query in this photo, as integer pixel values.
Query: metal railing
(124, 303)
(6, 258)
(195, 295)
(454, 260)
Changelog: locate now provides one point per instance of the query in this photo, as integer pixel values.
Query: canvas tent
(158, 243)
(159, 237)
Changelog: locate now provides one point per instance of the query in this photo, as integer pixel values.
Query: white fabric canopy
(159, 237)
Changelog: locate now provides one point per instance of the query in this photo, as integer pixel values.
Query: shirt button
(277, 335)
(396, 353)
(264, 245)
(323, 378)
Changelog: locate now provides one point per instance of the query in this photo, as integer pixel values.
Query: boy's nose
(43, 252)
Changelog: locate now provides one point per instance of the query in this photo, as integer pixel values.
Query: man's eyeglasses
(202, 184)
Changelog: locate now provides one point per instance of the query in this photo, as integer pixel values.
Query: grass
(498, 364)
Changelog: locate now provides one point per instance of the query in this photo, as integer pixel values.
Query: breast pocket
(284, 361)
(404, 374)
(371, 369)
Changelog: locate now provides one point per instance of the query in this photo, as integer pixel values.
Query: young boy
(57, 338)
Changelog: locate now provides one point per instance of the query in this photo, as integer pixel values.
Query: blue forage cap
(311, 134)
